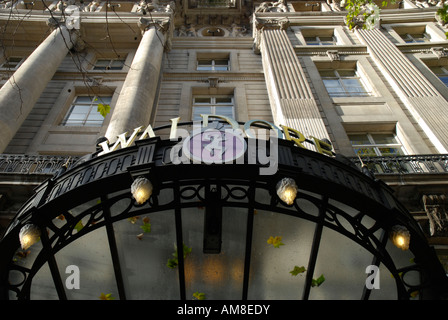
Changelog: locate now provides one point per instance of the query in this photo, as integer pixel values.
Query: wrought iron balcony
(214, 3)
(397, 165)
(402, 165)
(33, 164)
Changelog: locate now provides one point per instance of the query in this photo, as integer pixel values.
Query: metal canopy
(340, 196)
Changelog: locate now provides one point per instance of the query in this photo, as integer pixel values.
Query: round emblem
(214, 146)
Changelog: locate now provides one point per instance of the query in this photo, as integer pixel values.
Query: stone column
(135, 103)
(292, 101)
(19, 94)
(421, 98)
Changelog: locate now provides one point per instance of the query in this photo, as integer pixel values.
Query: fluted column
(136, 100)
(291, 98)
(20, 93)
(421, 98)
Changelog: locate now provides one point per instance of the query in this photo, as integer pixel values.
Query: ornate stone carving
(92, 6)
(439, 52)
(435, 207)
(279, 6)
(162, 25)
(428, 3)
(333, 55)
(154, 6)
(336, 5)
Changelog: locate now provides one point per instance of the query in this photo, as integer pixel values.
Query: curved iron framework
(109, 178)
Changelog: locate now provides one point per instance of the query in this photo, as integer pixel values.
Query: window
(321, 40)
(84, 111)
(109, 64)
(12, 62)
(213, 65)
(216, 105)
(416, 37)
(343, 83)
(376, 144)
(441, 72)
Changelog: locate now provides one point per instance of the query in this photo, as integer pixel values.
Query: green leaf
(174, 262)
(106, 296)
(104, 109)
(146, 227)
(199, 295)
(276, 242)
(79, 226)
(297, 270)
(317, 282)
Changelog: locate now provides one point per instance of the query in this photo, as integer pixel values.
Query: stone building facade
(379, 96)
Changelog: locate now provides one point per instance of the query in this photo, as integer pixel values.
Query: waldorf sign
(222, 144)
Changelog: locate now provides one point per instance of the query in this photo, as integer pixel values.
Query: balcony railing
(33, 164)
(401, 165)
(214, 3)
(409, 164)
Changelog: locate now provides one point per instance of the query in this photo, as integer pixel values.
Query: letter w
(120, 142)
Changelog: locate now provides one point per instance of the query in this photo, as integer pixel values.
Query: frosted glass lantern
(287, 190)
(141, 189)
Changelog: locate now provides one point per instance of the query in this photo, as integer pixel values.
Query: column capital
(160, 24)
(271, 23)
(55, 23)
(261, 24)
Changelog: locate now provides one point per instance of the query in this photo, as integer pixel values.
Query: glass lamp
(29, 235)
(141, 189)
(400, 237)
(287, 190)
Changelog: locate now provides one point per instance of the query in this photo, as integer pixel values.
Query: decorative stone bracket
(435, 207)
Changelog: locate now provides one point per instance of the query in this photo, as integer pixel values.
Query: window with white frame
(344, 83)
(319, 36)
(416, 37)
(376, 144)
(321, 40)
(12, 62)
(222, 105)
(108, 64)
(213, 65)
(84, 111)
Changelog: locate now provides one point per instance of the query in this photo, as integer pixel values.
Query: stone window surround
(396, 30)
(94, 100)
(214, 56)
(195, 55)
(348, 64)
(67, 97)
(392, 127)
(92, 58)
(309, 31)
(52, 127)
(223, 91)
(375, 144)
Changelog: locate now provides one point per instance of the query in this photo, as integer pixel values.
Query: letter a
(373, 280)
(72, 281)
